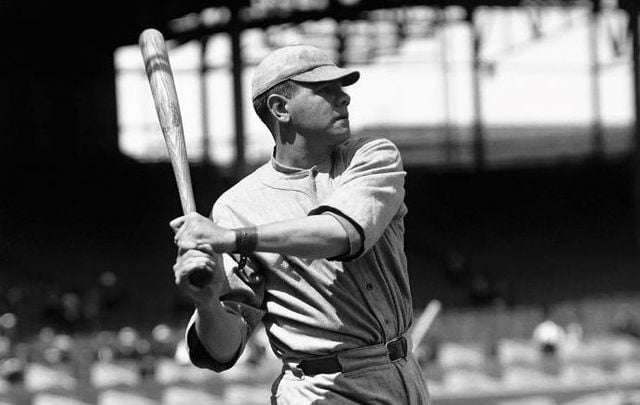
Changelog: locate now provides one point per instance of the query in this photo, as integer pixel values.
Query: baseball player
(310, 244)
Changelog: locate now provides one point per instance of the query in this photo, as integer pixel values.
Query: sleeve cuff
(201, 358)
(355, 233)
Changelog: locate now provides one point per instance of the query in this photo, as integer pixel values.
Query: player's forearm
(314, 237)
(317, 236)
(218, 331)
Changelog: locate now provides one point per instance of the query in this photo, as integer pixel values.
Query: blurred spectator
(12, 370)
(455, 265)
(84, 310)
(548, 336)
(164, 341)
(484, 292)
(51, 348)
(103, 301)
(113, 296)
(480, 292)
(92, 308)
(65, 345)
(71, 312)
(105, 345)
(12, 300)
(51, 305)
(42, 341)
(574, 331)
(625, 322)
(9, 325)
(147, 366)
(63, 310)
(128, 344)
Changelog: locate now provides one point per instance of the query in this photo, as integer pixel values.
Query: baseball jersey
(313, 307)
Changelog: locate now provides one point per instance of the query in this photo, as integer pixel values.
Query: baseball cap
(302, 63)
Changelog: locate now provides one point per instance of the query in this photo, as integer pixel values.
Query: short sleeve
(354, 238)
(371, 188)
(243, 299)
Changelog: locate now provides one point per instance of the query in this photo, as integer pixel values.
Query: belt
(396, 349)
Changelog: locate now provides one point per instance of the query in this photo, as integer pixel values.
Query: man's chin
(343, 130)
(343, 136)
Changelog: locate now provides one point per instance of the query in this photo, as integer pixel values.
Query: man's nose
(344, 99)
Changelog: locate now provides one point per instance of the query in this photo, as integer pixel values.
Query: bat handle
(199, 277)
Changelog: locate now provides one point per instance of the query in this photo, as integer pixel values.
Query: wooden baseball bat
(156, 63)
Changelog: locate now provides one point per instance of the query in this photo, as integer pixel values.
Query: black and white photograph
(320, 202)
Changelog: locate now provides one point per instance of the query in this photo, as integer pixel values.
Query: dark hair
(286, 89)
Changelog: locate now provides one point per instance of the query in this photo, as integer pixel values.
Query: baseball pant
(368, 377)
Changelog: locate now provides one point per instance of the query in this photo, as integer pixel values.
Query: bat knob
(200, 278)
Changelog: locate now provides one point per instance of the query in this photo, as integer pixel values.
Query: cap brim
(328, 73)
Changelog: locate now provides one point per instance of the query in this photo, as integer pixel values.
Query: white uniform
(350, 305)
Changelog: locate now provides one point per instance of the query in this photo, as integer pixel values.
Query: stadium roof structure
(246, 14)
(118, 22)
(233, 17)
(107, 26)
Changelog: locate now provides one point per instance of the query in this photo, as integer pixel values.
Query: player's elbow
(201, 357)
(209, 363)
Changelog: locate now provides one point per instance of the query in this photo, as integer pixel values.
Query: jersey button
(369, 286)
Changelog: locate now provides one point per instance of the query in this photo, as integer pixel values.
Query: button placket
(380, 313)
(312, 183)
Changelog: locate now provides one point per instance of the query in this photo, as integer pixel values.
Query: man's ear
(277, 105)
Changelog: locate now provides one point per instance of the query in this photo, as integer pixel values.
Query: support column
(448, 145)
(478, 125)
(238, 113)
(635, 159)
(594, 77)
(341, 40)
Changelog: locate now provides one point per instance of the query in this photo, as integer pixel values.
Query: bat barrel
(159, 73)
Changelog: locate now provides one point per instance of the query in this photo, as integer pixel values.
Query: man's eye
(327, 89)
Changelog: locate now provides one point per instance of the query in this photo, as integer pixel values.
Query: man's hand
(191, 260)
(194, 231)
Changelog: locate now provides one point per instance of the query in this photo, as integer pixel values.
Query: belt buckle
(397, 353)
(298, 372)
